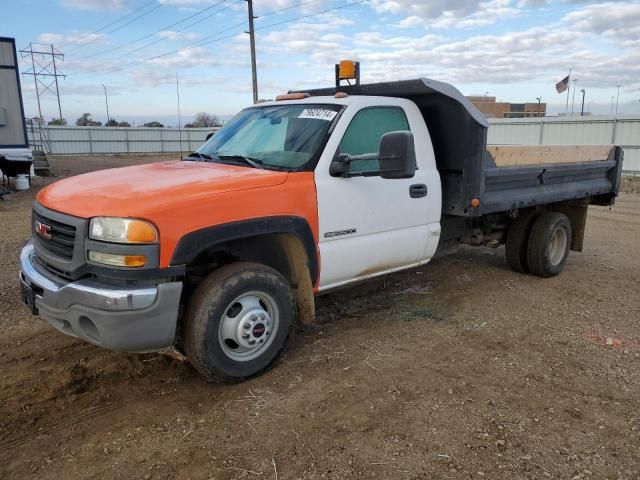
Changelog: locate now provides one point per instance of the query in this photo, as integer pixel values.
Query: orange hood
(140, 190)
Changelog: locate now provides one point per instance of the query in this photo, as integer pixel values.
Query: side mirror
(397, 155)
(209, 135)
(340, 165)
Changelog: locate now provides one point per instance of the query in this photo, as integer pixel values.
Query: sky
(515, 50)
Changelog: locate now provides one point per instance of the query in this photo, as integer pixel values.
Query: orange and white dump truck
(219, 255)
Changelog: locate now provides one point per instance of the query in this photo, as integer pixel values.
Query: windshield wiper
(254, 162)
(205, 156)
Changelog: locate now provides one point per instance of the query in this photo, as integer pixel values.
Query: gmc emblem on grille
(43, 229)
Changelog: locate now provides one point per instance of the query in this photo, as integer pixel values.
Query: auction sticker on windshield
(318, 114)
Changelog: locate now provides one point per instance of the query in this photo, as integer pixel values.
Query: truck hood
(142, 189)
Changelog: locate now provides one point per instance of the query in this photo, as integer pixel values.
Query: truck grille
(60, 239)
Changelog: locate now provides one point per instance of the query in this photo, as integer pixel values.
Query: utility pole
(539, 100)
(106, 102)
(573, 99)
(179, 114)
(582, 110)
(44, 71)
(252, 41)
(618, 100)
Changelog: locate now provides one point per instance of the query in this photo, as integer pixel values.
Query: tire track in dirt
(83, 416)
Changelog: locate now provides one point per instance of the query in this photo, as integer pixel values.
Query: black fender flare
(193, 244)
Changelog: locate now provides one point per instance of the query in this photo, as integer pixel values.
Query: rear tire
(238, 321)
(549, 244)
(518, 240)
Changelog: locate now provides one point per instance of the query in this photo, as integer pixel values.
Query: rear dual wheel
(539, 243)
(238, 321)
(549, 244)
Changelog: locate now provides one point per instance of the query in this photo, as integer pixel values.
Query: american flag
(563, 84)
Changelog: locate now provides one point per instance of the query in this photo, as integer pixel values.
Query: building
(492, 109)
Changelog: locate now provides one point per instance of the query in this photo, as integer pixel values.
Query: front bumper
(133, 319)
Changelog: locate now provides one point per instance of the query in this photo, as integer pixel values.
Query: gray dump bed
(459, 136)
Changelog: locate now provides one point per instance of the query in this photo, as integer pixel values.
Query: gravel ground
(461, 369)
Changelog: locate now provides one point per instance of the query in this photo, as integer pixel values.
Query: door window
(365, 130)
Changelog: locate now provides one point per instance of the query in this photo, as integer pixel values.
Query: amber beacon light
(348, 70)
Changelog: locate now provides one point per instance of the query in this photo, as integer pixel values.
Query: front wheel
(238, 321)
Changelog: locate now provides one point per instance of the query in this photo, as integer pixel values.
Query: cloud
(619, 23)
(198, 56)
(427, 10)
(173, 35)
(488, 13)
(95, 5)
(305, 38)
(79, 38)
(153, 77)
(89, 89)
(541, 54)
(447, 14)
(410, 22)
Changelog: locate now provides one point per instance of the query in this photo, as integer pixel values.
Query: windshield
(279, 136)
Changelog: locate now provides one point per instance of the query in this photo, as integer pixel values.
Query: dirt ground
(461, 369)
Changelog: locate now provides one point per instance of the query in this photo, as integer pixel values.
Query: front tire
(549, 244)
(238, 321)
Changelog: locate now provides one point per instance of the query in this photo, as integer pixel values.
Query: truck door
(370, 225)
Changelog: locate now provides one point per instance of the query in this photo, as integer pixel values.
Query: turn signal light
(141, 232)
(114, 260)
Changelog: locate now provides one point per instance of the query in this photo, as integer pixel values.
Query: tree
(124, 124)
(57, 121)
(85, 120)
(154, 124)
(204, 120)
(111, 123)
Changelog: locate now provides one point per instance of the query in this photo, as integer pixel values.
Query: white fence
(596, 130)
(115, 140)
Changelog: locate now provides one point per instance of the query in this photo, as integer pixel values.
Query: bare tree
(85, 120)
(204, 120)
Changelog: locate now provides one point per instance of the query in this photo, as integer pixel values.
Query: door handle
(418, 190)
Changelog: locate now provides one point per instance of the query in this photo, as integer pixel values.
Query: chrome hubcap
(558, 246)
(248, 326)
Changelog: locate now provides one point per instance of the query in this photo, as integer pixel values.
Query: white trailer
(15, 155)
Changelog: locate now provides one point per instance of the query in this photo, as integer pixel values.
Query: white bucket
(22, 182)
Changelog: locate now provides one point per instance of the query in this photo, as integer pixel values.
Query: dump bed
(505, 177)
(524, 176)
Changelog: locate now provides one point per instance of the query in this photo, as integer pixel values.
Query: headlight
(122, 230)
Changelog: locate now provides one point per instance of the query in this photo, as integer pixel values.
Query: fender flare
(193, 244)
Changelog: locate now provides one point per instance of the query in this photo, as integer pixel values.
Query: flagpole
(566, 110)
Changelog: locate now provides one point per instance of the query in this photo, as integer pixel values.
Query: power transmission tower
(252, 41)
(44, 70)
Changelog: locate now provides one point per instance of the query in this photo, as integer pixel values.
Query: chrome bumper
(133, 319)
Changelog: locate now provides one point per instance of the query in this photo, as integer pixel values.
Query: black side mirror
(397, 155)
(340, 165)
(209, 135)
